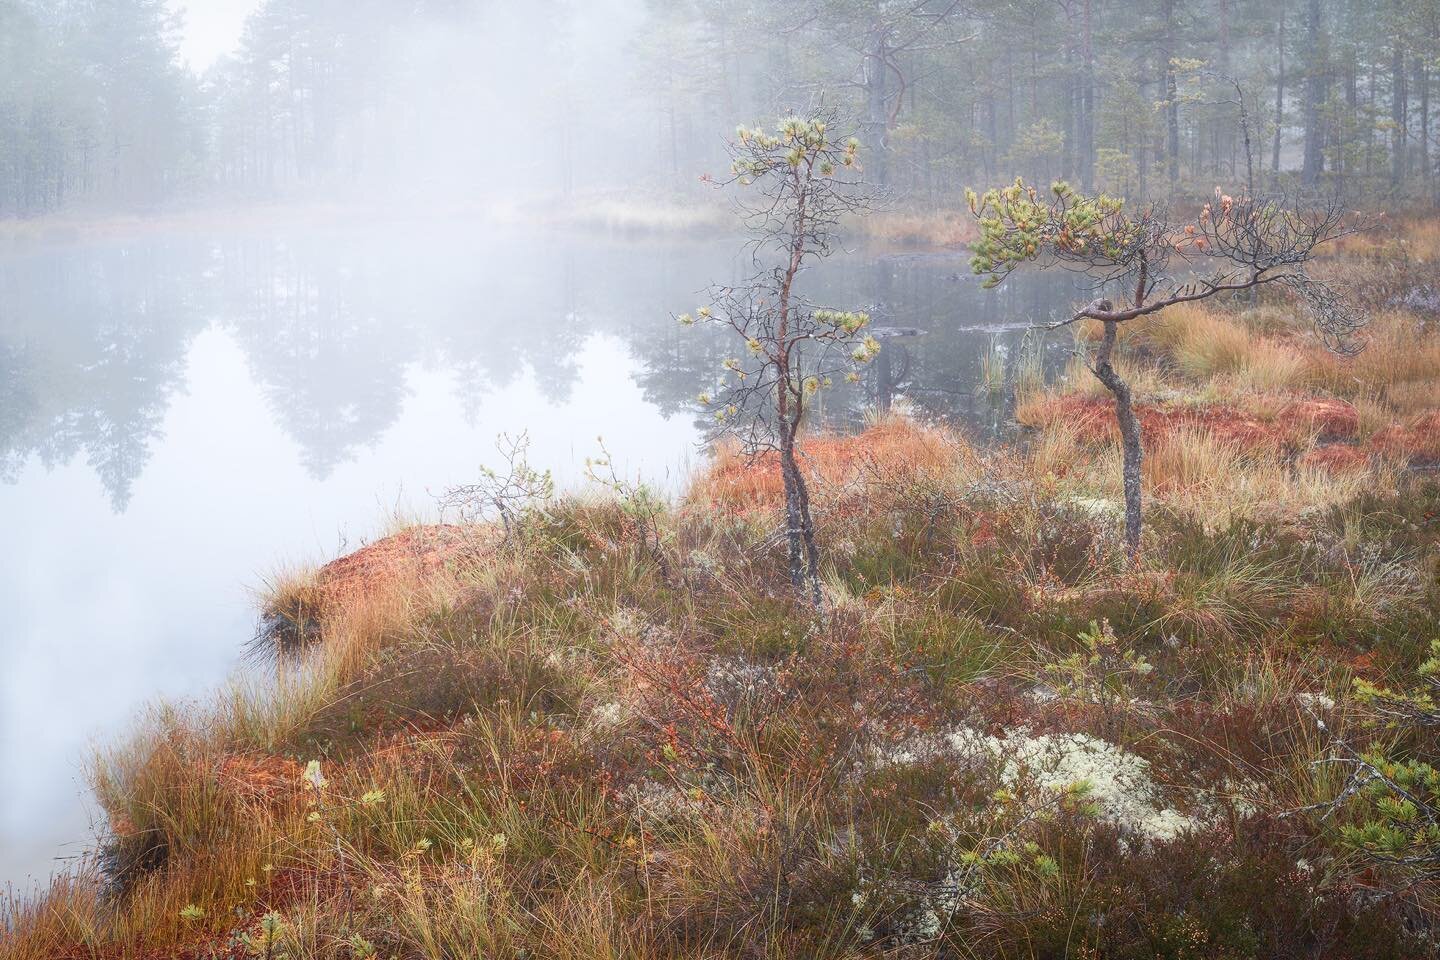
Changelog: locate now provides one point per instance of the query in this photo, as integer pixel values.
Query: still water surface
(182, 415)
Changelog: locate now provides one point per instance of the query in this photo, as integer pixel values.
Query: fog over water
(274, 271)
(186, 415)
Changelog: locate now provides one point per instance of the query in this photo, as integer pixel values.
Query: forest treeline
(337, 97)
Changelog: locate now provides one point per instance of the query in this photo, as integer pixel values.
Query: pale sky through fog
(212, 28)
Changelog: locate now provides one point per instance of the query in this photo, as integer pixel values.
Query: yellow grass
(641, 215)
(1400, 363)
(1423, 239)
(1192, 471)
(1055, 451)
(1203, 343)
(938, 228)
(1193, 461)
(1269, 365)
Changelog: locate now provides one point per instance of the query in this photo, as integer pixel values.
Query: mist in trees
(463, 101)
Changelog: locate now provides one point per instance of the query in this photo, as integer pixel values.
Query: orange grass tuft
(410, 555)
(1295, 423)
(737, 482)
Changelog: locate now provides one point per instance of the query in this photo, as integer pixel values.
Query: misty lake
(183, 414)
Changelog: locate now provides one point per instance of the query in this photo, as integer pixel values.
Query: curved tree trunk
(793, 534)
(799, 525)
(1130, 436)
(807, 533)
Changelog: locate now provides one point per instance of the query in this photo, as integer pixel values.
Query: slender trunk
(876, 117)
(794, 537)
(1314, 95)
(1397, 116)
(1009, 99)
(1224, 136)
(1245, 132)
(1035, 83)
(1352, 104)
(1424, 79)
(799, 525)
(1172, 99)
(992, 130)
(804, 551)
(1130, 436)
(1071, 134)
(1087, 102)
(1279, 95)
(1370, 127)
(807, 534)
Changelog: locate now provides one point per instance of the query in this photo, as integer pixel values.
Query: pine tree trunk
(1314, 96)
(794, 533)
(812, 549)
(1424, 81)
(804, 551)
(1172, 99)
(1224, 135)
(1397, 116)
(876, 119)
(1130, 437)
(1087, 101)
(1279, 95)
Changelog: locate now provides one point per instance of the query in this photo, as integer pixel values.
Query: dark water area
(182, 415)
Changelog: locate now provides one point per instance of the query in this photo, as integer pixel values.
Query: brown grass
(1260, 381)
(937, 228)
(1400, 364)
(1415, 239)
(485, 719)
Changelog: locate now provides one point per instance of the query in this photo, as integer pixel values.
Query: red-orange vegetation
(1326, 419)
(897, 448)
(1093, 419)
(1338, 457)
(1294, 425)
(414, 553)
(259, 778)
(1417, 439)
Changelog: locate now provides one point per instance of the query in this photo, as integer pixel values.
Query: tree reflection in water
(94, 337)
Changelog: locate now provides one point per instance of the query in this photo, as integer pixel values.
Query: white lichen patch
(734, 681)
(935, 907)
(634, 626)
(1316, 701)
(1098, 508)
(608, 716)
(915, 749)
(1116, 782)
(655, 801)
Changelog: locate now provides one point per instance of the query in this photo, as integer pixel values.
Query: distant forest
(459, 98)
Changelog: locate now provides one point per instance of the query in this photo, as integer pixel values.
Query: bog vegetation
(607, 724)
(890, 694)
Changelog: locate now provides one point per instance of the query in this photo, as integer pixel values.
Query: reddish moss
(737, 482)
(416, 552)
(1338, 457)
